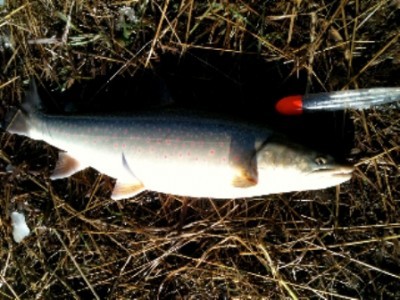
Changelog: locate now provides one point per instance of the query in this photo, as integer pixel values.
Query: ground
(225, 56)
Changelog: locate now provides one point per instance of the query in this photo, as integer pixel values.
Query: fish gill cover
(225, 57)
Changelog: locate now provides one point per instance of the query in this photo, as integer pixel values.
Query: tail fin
(18, 122)
(32, 101)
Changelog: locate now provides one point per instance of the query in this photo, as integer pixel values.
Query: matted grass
(339, 243)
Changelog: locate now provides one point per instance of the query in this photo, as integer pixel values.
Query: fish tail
(32, 102)
(18, 122)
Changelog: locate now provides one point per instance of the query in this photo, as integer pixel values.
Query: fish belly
(194, 168)
(184, 177)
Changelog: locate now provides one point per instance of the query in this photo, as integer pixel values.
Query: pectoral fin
(243, 160)
(245, 179)
(246, 175)
(123, 190)
(66, 166)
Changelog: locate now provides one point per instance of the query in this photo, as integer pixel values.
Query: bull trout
(178, 153)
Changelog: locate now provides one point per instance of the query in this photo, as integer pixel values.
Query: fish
(178, 152)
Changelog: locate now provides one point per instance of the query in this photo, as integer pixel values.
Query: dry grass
(338, 243)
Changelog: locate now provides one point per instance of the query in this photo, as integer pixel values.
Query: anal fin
(66, 166)
(123, 190)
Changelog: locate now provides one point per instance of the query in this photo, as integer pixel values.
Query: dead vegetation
(333, 244)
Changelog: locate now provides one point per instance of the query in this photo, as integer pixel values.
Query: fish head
(287, 166)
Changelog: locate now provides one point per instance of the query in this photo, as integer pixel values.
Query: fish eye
(320, 160)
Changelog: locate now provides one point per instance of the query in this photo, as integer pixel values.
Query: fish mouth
(344, 172)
